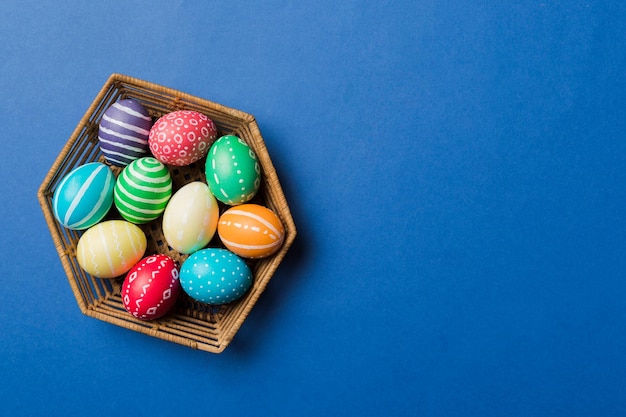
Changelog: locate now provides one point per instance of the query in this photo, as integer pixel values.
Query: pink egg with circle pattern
(181, 137)
(151, 287)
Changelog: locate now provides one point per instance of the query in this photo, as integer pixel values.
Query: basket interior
(190, 323)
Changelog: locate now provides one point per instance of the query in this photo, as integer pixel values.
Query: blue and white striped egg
(123, 132)
(215, 276)
(84, 196)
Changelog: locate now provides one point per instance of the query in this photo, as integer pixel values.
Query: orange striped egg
(251, 230)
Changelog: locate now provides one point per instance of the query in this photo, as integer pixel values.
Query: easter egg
(142, 190)
(251, 230)
(232, 170)
(110, 248)
(181, 137)
(190, 218)
(215, 276)
(84, 196)
(151, 287)
(123, 132)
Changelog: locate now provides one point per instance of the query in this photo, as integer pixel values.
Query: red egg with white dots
(151, 287)
(181, 137)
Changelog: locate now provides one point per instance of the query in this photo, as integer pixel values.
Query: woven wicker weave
(197, 325)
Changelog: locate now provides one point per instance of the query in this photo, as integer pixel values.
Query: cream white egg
(190, 218)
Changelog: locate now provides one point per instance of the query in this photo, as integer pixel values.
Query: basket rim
(121, 78)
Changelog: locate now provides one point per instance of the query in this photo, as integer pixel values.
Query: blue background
(456, 171)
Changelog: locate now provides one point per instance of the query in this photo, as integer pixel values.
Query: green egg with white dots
(232, 171)
(215, 276)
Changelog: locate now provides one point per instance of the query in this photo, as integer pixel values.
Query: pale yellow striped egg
(111, 248)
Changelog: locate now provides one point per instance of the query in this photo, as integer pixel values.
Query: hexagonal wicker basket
(197, 325)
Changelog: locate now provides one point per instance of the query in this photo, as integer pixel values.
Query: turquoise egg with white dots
(215, 276)
(232, 170)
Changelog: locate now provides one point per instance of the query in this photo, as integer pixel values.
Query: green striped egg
(232, 170)
(142, 190)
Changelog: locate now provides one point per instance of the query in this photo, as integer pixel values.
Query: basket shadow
(265, 314)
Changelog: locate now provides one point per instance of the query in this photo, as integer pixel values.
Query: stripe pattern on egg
(142, 190)
(123, 132)
(84, 196)
(251, 230)
(110, 248)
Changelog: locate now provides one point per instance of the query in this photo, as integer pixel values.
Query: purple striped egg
(123, 132)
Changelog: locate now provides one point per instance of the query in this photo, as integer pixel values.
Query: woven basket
(197, 325)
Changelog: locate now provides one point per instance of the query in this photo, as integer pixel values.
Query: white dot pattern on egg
(181, 137)
(232, 170)
(215, 276)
